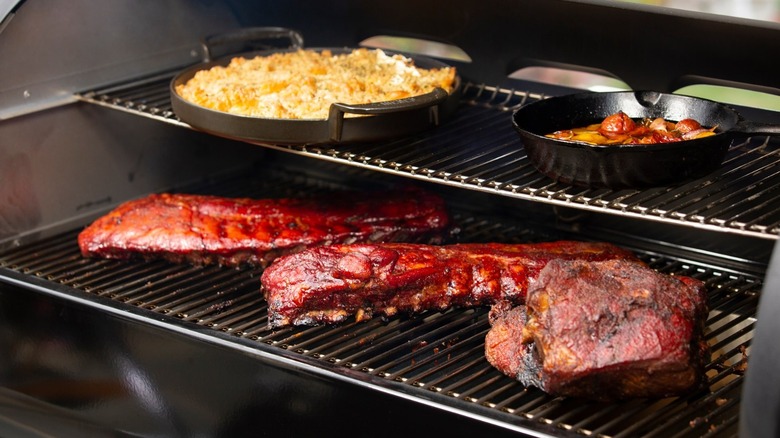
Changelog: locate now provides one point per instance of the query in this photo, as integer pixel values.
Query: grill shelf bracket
(477, 149)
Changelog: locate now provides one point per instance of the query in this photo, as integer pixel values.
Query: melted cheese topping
(303, 84)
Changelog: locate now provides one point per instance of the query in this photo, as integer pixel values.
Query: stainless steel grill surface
(480, 151)
(435, 359)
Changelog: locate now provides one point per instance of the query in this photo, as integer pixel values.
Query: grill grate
(437, 357)
(480, 151)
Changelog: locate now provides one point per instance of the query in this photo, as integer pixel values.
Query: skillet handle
(250, 34)
(746, 127)
(432, 100)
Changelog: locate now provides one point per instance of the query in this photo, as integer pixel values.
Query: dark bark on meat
(329, 284)
(504, 348)
(207, 229)
(607, 330)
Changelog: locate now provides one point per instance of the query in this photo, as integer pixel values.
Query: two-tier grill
(114, 348)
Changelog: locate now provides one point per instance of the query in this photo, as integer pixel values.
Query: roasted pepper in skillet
(619, 128)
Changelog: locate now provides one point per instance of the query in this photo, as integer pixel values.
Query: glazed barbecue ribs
(237, 231)
(603, 330)
(328, 284)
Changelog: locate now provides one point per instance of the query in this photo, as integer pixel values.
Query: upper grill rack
(435, 357)
(479, 150)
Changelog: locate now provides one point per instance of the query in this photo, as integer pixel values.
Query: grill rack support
(479, 151)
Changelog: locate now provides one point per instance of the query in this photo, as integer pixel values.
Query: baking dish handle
(338, 110)
(250, 34)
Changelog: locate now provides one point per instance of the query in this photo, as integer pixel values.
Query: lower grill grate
(479, 150)
(437, 357)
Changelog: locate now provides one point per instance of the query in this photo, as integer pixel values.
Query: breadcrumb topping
(303, 84)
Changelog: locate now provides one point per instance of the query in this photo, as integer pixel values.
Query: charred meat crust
(603, 330)
(331, 283)
(203, 229)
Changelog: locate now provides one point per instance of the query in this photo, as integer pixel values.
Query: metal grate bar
(728, 398)
(469, 376)
(478, 150)
(435, 370)
(398, 360)
(332, 345)
(385, 350)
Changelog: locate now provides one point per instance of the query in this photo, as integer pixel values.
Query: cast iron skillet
(383, 120)
(628, 166)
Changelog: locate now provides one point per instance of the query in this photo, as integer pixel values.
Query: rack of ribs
(603, 330)
(203, 229)
(329, 284)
